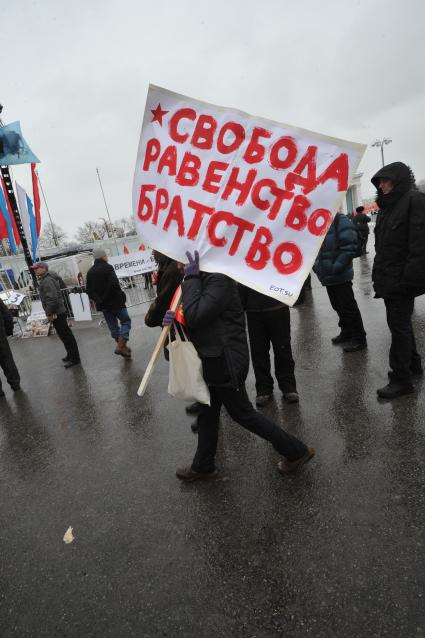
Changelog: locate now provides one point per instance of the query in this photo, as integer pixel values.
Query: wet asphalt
(336, 551)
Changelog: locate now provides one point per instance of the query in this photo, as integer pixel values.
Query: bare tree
(421, 185)
(123, 227)
(90, 231)
(52, 235)
(131, 226)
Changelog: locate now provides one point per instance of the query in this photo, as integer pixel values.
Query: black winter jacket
(362, 222)
(334, 263)
(6, 321)
(169, 279)
(399, 265)
(216, 324)
(104, 288)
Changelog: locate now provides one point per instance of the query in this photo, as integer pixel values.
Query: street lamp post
(380, 144)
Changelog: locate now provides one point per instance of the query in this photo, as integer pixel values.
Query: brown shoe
(122, 348)
(189, 475)
(293, 467)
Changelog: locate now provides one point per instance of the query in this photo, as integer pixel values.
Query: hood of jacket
(402, 178)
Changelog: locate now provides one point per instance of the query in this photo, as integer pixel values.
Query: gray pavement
(337, 551)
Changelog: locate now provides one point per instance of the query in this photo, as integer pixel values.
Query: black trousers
(265, 328)
(7, 362)
(345, 305)
(64, 333)
(403, 354)
(242, 411)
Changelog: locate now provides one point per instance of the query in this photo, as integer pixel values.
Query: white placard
(12, 297)
(253, 196)
(133, 264)
(80, 305)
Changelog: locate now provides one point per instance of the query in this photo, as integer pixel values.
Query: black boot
(394, 389)
(341, 338)
(355, 346)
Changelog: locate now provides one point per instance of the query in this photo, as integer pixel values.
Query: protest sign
(253, 196)
(12, 297)
(133, 264)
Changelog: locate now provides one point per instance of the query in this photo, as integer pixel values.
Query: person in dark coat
(216, 323)
(398, 273)
(269, 323)
(170, 276)
(334, 268)
(64, 292)
(169, 279)
(103, 287)
(7, 361)
(54, 307)
(362, 222)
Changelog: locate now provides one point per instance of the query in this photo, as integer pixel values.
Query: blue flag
(13, 147)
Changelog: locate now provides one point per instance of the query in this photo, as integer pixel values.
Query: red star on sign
(158, 114)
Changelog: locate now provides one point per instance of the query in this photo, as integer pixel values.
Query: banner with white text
(253, 196)
(133, 264)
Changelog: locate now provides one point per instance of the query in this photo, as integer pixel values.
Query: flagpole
(107, 212)
(55, 239)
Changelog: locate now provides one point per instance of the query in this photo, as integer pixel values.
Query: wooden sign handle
(158, 347)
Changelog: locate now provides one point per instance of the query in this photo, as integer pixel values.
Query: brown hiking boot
(122, 348)
(293, 467)
(189, 475)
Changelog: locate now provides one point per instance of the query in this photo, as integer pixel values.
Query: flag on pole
(28, 219)
(36, 198)
(7, 225)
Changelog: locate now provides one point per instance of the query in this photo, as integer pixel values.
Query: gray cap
(40, 264)
(98, 253)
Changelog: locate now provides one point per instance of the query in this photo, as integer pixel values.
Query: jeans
(403, 354)
(265, 328)
(64, 333)
(240, 408)
(112, 317)
(345, 305)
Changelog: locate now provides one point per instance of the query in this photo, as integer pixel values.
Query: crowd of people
(215, 308)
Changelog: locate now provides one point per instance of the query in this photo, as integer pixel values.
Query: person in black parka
(170, 276)
(216, 323)
(334, 268)
(7, 362)
(362, 221)
(169, 279)
(398, 273)
(269, 323)
(104, 288)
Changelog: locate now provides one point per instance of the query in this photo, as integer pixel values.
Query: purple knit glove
(192, 268)
(168, 318)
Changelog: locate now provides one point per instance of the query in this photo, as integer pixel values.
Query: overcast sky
(76, 75)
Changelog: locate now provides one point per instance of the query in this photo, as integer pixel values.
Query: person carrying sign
(170, 276)
(269, 322)
(215, 320)
(104, 288)
(6, 358)
(334, 268)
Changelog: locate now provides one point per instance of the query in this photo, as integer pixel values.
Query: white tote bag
(185, 378)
